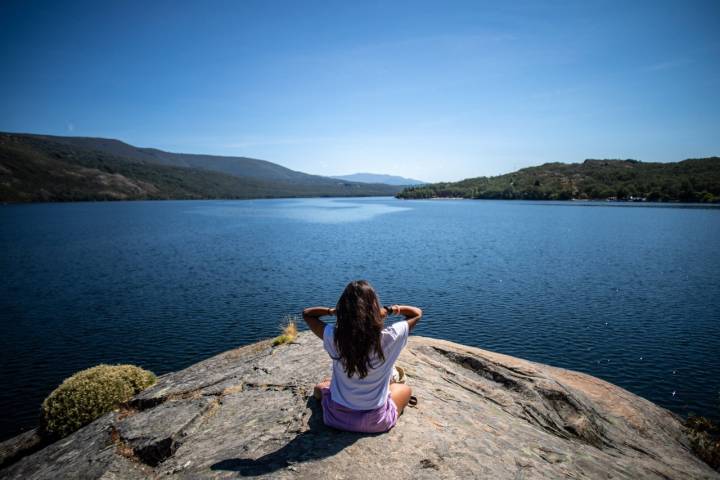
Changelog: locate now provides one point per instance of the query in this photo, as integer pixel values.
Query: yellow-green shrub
(90, 393)
(289, 332)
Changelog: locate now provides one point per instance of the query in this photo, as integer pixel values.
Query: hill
(693, 180)
(47, 168)
(250, 412)
(379, 178)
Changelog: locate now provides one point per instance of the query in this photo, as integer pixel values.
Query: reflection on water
(335, 211)
(313, 210)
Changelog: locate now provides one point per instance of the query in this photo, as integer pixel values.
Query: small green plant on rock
(89, 394)
(289, 331)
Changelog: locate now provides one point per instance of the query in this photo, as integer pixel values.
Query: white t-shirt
(372, 391)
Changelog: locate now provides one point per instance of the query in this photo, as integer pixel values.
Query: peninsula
(250, 412)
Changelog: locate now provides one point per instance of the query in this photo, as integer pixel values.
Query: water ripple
(626, 294)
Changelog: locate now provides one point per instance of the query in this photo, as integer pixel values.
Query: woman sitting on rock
(360, 396)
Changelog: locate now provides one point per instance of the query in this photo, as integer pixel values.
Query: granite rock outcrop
(250, 412)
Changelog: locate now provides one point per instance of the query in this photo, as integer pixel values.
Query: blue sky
(430, 90)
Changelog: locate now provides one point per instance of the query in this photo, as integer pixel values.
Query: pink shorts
(338, 416)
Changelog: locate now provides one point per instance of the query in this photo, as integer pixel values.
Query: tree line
(692, 180)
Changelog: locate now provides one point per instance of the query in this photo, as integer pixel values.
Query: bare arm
(411, 314)
(312, 315)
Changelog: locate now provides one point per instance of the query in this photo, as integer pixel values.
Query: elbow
(417, 315)
(308, 314)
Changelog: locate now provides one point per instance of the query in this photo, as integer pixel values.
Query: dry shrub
(289, 331)
(90, 393)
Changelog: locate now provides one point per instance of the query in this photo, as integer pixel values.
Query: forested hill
(693, 180)
(47, 168)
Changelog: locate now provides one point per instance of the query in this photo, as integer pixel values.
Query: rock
(250, 412)
(19, 446)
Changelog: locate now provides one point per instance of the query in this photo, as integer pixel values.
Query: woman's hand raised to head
(388, 310)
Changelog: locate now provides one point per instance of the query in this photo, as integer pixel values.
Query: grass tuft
(289, 331)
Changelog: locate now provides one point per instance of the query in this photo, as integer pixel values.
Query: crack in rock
(151, 435)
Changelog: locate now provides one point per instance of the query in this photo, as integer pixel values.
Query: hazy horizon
(436, 93)
(347, 174)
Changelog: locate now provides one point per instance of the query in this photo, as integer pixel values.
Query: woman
(360, 397)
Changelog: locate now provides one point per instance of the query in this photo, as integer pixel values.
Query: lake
(626, 292)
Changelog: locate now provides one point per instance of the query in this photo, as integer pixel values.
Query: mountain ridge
(35, 167)
(364, 177)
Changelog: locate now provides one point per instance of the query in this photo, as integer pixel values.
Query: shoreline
(577, 200)
(595, 202)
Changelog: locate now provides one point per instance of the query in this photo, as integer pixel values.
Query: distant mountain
(379, 178)
(49, 168)
(692, 180)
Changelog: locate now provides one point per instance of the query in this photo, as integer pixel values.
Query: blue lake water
(629, 293)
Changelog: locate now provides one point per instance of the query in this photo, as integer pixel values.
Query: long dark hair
(359, 327)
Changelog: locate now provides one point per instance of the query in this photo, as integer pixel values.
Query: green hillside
(238, 166)
(43, 168)
(693, 180)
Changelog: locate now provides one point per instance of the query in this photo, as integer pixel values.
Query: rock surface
(250, 412)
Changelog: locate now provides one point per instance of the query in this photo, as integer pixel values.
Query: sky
(436, 91)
